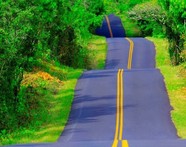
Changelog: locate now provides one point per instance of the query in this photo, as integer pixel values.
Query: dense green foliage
(175, 11)
(120, 6)
(168, 16)
(125, 5)
(149, 18)
(31, 31)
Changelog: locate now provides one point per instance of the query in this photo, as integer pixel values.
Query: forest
(50, 39)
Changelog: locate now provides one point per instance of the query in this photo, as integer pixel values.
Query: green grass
(175, 79)
(98, 47)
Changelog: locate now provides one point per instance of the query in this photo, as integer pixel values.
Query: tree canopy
(171, 16)
(40, 30)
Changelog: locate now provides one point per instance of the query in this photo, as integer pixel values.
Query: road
(125, 105)
(119, 50)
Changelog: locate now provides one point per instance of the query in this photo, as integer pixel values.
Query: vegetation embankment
(44, 48)
(50, 99)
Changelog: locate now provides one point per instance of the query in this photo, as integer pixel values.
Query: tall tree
(171, 17)
(39, 29)
(175, 11)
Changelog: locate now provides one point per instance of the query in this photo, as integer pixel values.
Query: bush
(175, 28)
(127, 5)
(168, 19)
(149, 17)
(11, 74)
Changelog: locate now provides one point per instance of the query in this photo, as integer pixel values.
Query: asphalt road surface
(125, 105)
(119, 50)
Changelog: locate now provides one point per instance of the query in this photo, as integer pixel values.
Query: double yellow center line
(120, 101)
(129, 40)
(120, 96)
(119, 112)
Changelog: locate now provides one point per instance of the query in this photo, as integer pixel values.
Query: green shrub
(149, 17)
(169, 19)
(175, 28)
(127, 5)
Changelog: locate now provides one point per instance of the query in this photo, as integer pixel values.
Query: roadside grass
(98, 48)
(53, 88)
(175, 79)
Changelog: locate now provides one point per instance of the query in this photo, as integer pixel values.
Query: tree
(171, 17)
(15, 28)
(39, 30)
(175, 27)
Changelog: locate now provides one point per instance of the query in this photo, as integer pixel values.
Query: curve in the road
(130, 53)
(129, 66)
(111, 27)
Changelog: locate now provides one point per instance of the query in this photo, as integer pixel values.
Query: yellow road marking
(130, 53)
(121, 105)
(125, 143)
(115, 143)
(119, 112)
(108, 23)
